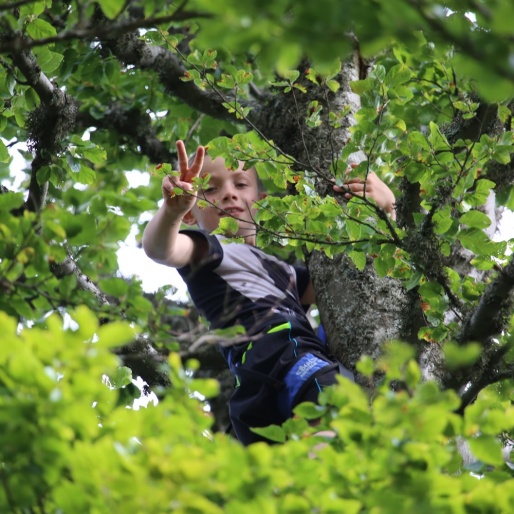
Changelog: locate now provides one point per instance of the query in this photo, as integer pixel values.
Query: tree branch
(488, 319)
(93, 31)
(131, 50)
(28, 65)
(49, 124)
(134, 124)
(489, 375)
(13, 5)
(463, 44)
(141, 357)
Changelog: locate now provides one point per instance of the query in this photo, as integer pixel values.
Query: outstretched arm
(375, 188)
(161, 239)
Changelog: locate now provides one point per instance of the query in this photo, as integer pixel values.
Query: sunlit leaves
(396, 448)
(61, 418)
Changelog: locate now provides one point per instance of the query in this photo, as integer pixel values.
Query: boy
(238, 284)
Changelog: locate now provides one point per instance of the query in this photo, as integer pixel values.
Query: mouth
(230, 211)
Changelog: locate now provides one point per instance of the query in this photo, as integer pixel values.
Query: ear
(189, 219)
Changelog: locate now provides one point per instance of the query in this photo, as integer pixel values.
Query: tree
(422, 97)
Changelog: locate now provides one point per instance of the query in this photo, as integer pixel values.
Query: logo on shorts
(304, 369)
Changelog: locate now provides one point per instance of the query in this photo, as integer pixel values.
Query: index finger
(182, 159)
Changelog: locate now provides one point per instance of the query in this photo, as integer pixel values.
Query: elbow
(149, 248)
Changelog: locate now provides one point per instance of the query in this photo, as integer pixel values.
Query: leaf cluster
(101, 90)
(69, 445)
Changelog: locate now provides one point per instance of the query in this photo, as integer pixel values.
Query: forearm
(162, 241)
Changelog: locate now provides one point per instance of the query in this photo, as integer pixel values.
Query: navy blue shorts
(273, 374)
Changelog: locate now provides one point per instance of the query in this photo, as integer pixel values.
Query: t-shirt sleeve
(302, 279)
(214, 251)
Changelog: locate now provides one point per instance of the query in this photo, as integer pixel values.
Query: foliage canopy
(92, 90)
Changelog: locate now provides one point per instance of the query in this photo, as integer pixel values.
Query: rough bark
(358, 309)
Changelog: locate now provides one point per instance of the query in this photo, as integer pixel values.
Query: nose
(229, 192)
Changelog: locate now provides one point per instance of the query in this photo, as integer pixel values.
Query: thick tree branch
(46, 92)
(489, 374)
(408, 204)
(28, 65)
(131, 50)
(49, 124)
(134, 124)
(92, 31)
(69, 267)
(488, 319)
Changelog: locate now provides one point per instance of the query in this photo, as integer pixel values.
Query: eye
(241, 184)
(209, 190)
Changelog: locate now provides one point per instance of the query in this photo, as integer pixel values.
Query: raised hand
(180, 204)
(374, 187)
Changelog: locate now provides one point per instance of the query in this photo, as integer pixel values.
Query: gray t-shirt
(239, 284)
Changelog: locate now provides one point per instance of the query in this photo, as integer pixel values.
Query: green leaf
(116, 287)
(56, 228)
(443, 220)
(461, 356)
(487, 448)
(397, 75)
(208, 387)
(475, 219)
(481, 193)
(116, 333)
(366, 366)
(436, 138)
(85, 175)
(363, 86)
(358, 258)
(401, 93)
(121, 378)
(31, 99)
(273, 433)
(97, 155)
(34, 8)
(228, 226)
(227, 81)
(40, 29)
(86, 321)
(478, 242)
(383, 265)
(48, 61)
(503, 113)
(333, 85)
(4, 153)
(111, 8)
(309, 410)
(502, 153)
(413, 280)
(292, 503)
(10, 201)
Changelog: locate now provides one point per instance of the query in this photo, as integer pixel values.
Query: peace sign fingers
(188, 173)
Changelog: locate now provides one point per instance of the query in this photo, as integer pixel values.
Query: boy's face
(230, 193)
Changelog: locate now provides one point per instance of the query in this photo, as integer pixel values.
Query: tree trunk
(359, 310)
